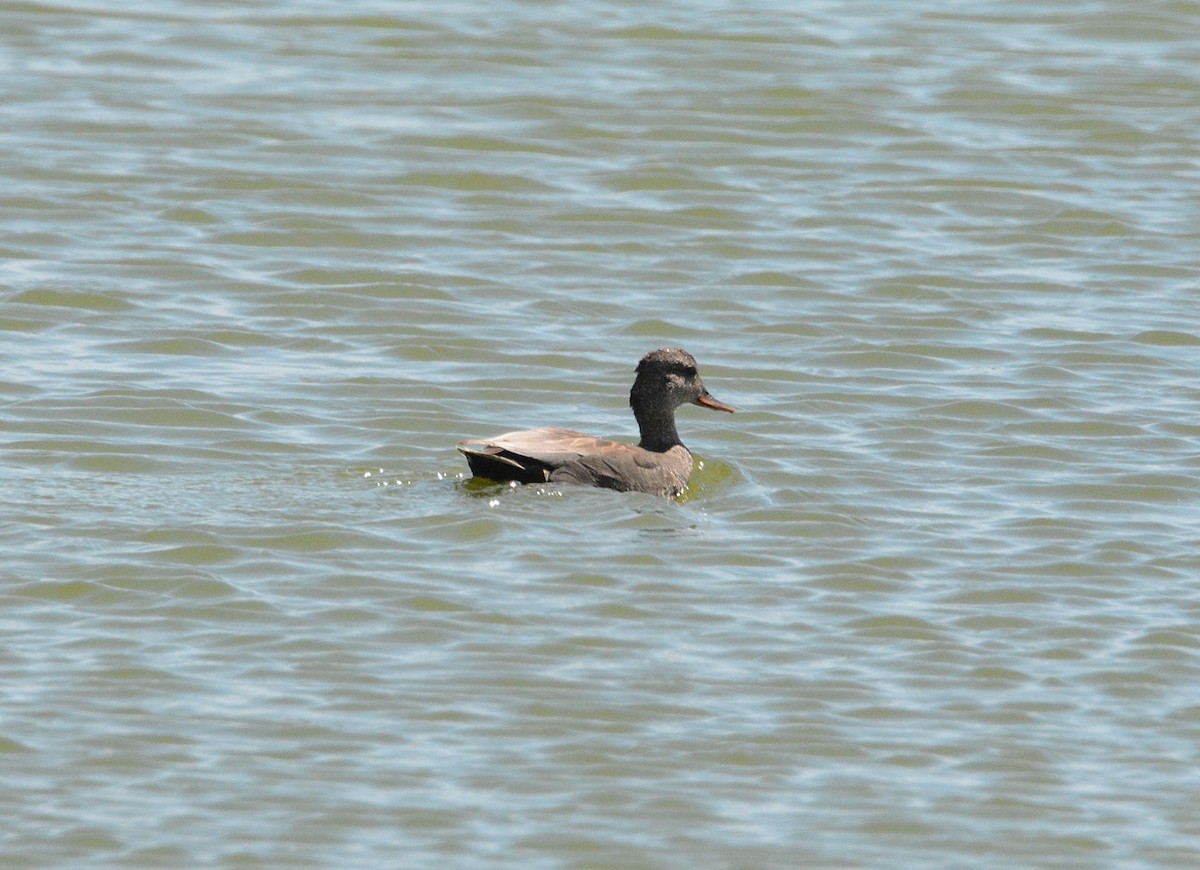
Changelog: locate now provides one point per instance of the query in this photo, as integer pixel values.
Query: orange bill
(709, 402)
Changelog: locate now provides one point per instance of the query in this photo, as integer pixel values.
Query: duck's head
(668, 378)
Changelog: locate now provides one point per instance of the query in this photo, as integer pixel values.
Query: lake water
(933, 599)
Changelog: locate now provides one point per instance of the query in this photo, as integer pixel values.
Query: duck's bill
(709, 402)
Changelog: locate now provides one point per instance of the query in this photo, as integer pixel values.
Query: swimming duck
(659, 464)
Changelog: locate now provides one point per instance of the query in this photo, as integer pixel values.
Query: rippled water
(933, 599)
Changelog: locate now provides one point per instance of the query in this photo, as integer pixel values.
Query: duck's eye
(689, 372)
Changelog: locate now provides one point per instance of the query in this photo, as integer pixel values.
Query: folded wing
(531, 455)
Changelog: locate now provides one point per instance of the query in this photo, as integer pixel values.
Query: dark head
(666, 379)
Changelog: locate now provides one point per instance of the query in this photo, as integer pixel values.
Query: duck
(658, 464)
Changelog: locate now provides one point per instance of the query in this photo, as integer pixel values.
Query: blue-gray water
(934, 599)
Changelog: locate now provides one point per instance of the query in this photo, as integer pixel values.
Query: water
(932, 600)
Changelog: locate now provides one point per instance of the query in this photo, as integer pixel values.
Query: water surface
(932, 601)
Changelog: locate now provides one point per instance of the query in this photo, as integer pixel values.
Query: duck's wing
(530, 455)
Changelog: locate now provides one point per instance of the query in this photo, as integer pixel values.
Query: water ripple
(930, 599)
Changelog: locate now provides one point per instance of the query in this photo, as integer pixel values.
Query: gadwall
(659, 464)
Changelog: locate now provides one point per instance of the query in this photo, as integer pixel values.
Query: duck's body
(659, 464)
(564, 456)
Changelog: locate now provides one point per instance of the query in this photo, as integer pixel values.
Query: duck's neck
(656, 423)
